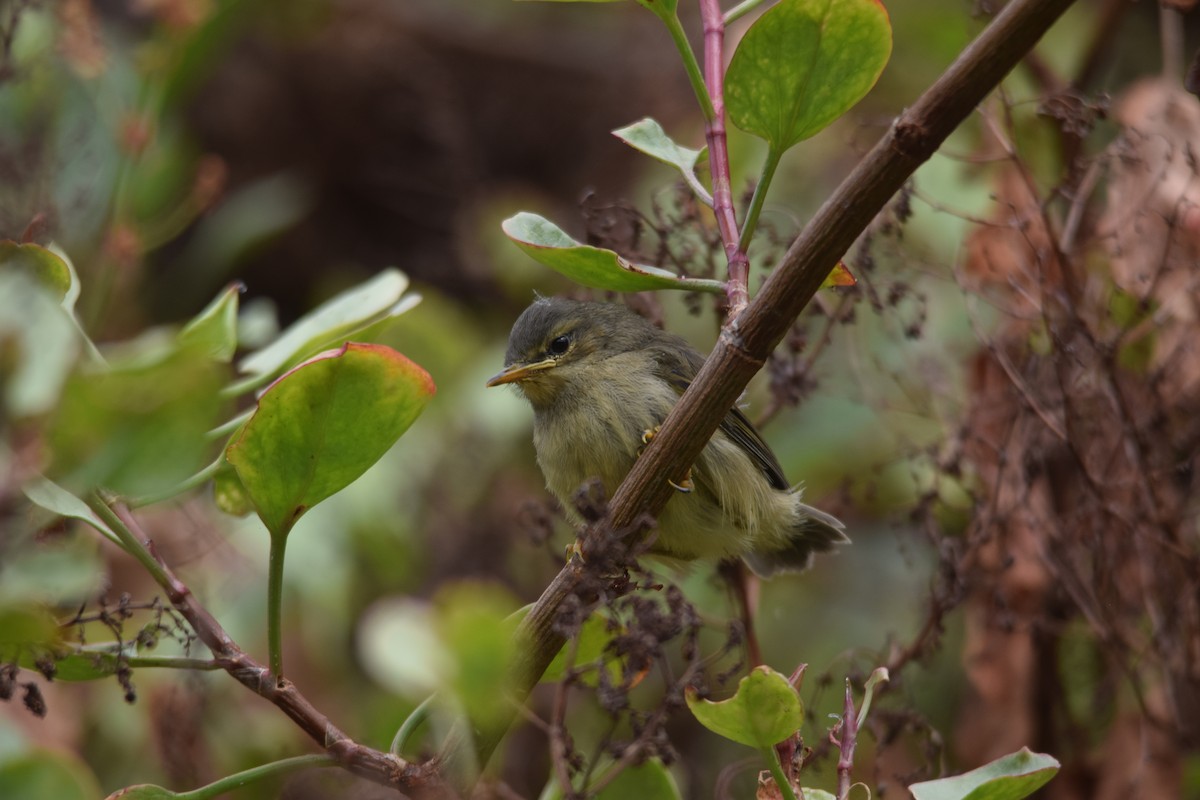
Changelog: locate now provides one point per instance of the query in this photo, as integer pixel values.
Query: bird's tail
(817, 532)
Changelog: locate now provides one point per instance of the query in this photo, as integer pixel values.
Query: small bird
(601, 380)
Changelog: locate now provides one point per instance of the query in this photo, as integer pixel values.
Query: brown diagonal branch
(383, 768)
(748, 340)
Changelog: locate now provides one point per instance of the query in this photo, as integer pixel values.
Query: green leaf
(818, 794)
(765, 710)
(214, 330)
(47, 494)
(43, 265)
(322, 425)
(137, 427)
(590, 266)
(41, 340)
(41, 774)
(24, 626)
(333, 322)
(1010, 777)
(803, 64)
(649, 137)
(647, 781)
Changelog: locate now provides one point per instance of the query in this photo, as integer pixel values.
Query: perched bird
(601, 380)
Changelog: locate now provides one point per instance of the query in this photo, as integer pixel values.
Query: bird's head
(556, 344)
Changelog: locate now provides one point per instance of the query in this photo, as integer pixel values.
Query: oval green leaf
(137, 427)
(1010, 777)
(803, 64)
(322, 425)
(765, 710)
(649, 137)
(596, 267)
(47, 494)
(214, 330)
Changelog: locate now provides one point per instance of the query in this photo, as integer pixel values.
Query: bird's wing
(678, 369)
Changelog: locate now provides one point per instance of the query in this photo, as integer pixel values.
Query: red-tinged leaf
(839, 276)
(322, 425)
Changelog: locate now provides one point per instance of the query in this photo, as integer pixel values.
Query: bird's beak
(519, 372)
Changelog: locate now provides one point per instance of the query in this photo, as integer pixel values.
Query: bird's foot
(685, 486)
(575, 548)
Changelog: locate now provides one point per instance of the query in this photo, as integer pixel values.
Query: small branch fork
(418, 779)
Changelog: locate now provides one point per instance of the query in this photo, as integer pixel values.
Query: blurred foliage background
(172, 146)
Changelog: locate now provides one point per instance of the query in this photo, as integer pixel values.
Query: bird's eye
(559, 345)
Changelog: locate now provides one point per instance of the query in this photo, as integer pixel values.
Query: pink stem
(718, 156)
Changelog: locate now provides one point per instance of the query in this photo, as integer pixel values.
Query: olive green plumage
(598, 377)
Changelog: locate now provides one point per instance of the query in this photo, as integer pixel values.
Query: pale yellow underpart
(733, 510)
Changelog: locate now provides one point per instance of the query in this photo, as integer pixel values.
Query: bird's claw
(575, 548)
(685, 486)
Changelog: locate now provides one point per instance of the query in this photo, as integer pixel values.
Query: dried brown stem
(383, 768)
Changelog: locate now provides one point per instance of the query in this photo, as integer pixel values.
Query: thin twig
(377, 766)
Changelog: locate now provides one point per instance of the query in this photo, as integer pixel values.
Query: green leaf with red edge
(322, 425)
(803, 64)
(591, 266)
(1010, 777)
(765, 710)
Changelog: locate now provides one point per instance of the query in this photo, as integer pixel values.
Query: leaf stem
(128, 541)
(275, 606)
(261, 772)
(785, 786)
(760, 195)
(690, 65)
(410, 725)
